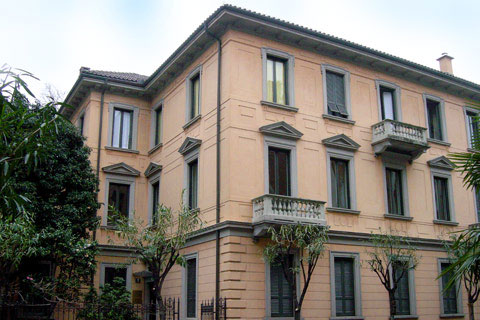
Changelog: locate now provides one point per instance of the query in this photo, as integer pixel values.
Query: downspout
(217, 206)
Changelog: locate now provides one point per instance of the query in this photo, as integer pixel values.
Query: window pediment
(341, 141)
(281, 129)
(189, 144)
(152, 169)
(441, 162)
(122, 169)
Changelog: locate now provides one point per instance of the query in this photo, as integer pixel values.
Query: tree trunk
(471, 311)
(297, 313)
(393, 306)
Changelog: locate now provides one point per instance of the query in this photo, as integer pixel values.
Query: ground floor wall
(244, 281)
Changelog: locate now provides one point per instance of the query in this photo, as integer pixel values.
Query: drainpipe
(217, 206)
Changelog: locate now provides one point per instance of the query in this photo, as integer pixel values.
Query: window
(278, 79)
(477, 202)
(281, 296)
(190, 286)
(340, 187)
(279, 171)
(394, 191)
(472, 126)
(344, 287)
(113, 272)
(388, 100)
(81, 124)
(194, 96)
(442, 201)
(434, 118)
(122, 130)
(336, 103)
(155, 201)
(118, 199)
(193, 184)
(449, 297)
(158, 125)
(402, 294)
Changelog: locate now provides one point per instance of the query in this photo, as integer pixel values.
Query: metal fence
(209, 309)
(79, 311)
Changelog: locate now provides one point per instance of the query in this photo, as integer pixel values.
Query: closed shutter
(281, 298)
(449, 296)
(191, 288)
(402, 294)
(344, 287)
(336, 94)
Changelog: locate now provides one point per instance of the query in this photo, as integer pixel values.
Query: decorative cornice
(122, 169)
(341, 141)
(441, 162)
(152, 169)
(281, 129)
(189, 144)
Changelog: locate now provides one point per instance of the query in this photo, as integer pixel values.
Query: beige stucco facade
(243, 171)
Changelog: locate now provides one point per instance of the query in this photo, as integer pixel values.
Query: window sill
(406, 316)
(339, 119)
(342, 210)
(347, 318)
(398, 217)
(191, 121)
(440, 142)
(474, 225)
(447, 223)
(110, 228)
(279, 106)
(121, 149)
(452, 315)
(158, 146)
(472, 150)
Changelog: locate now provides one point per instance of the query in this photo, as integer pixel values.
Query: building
(311, 128)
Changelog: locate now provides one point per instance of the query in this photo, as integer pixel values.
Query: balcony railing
(399, 137)
(275, 209)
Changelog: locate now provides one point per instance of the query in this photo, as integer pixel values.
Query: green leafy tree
(158, 246)
(309, 241)
(389, 252)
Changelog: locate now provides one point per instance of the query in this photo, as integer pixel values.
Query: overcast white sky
(54, 38)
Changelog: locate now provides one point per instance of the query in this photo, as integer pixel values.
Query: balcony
(272, 209)
(390, 136)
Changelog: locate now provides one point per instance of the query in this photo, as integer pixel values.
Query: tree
(391, 258)
(309, 241)
(465, 265)
(158, 245)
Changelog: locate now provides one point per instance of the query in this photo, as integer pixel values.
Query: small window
(340, 183)
(158, 125)
(394, 191)
(434, 119)
(115, 272)
(402, 294)
(193, 184)
(122, 128)
(387, 100)
(279, 171)
(442, 201)
(155, 201)
(472, 127)
(336, 101)
(276, 80)
(195, 96)
(191, 287)
(81, 124)
(344, 287)
(281, 295)
(119, 199)
(449, 297)
(477, 202)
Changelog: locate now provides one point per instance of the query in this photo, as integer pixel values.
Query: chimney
(445, 62)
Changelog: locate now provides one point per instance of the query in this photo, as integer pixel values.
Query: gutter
(217, 205)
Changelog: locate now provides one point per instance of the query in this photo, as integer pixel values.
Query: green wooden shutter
(191, 288)
(450, 296)
(336, 94)
(344, 287)
(281, 297)
(402, 294)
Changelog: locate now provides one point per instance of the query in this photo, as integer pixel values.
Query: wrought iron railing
(271, 208)
(398, 130)
(210, 308)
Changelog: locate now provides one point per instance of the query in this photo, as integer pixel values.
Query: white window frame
(290, 83)
(436, 172)
(187, 257)
(188, 87)
(458, 289)
(411, 291)
(469, 133)
(348, 156)
(268, 301)
(128, 281)
(443, 124)
(188, 158)
(153, 126)
(346, 81)
(135, 110)
(396, 98)
(286, 144)
(391, 164)
(151, 181)
(355, 256)
(113, 178)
